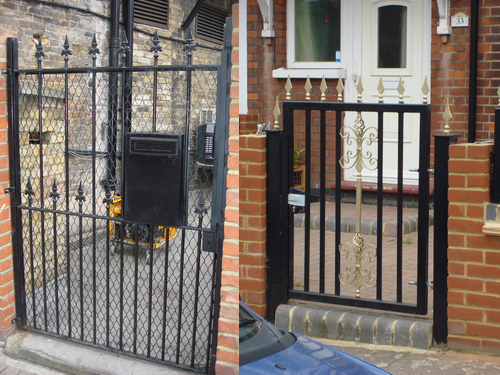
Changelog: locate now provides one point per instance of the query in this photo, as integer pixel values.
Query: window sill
(491, 225)
(312, 73)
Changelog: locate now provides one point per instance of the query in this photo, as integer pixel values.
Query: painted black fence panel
(337, 267)
(82, 272)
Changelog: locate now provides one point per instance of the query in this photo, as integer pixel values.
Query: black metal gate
(313, 253)
(118, 216)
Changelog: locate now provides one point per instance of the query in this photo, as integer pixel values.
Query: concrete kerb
(76, 358)
(371, 328)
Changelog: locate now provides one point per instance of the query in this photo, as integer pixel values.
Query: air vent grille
(210, 24)
(151, 12)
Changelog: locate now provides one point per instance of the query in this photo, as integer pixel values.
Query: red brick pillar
(7, 296)
(253, 221)
(227, 342)
(474, 253)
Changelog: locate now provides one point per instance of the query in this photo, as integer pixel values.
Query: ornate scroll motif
(356, 253)
(360, 257)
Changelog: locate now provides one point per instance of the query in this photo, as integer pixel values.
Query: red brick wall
(474, 258)
(253, 221)
(449, 67)
(450, 70)
(7, 296)
(227, 348)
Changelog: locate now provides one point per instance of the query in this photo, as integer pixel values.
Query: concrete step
(75, 358)
(370, 328)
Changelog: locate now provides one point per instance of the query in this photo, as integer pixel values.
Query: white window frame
(290, 37)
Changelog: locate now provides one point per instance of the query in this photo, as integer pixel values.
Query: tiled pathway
(389, 246)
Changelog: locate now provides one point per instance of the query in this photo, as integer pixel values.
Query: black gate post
(440, 316)
(278, 241)
(15, 180)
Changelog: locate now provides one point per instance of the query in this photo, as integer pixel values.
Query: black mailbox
(153, 179)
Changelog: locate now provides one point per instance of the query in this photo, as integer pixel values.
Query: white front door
(394, 42)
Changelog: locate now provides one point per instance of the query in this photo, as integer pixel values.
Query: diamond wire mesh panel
(83, 278)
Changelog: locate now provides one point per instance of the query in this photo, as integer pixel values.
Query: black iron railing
(84, 272)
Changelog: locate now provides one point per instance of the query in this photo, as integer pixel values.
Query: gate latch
(429, 284)
(10, 189)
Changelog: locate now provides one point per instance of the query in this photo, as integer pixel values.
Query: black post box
(153, 179)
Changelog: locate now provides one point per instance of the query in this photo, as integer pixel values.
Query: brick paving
(389, 259)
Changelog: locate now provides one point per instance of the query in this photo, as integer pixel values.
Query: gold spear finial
(323, 88)
(276, 114)
(401, 90)
(360, 89)
(425, 91)
(288, 88)
(308, 88)
(380, 89)
(340, 90)
(447, 117)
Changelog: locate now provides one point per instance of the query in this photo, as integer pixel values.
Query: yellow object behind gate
(136, 232)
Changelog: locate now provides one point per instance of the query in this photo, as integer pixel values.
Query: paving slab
(408, 361)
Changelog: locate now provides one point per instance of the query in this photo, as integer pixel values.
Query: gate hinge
(10, 189)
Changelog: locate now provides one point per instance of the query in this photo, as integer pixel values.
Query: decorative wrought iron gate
(85, 271)
(344, 262)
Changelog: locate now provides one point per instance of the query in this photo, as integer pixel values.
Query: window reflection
(392, 36)
(317, 30)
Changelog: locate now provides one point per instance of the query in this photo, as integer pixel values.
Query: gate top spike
(360, 89)
(190, 45)
(340, 90)
(380, 89)
(447, 117)
(66, 51)
(308, 88)
(29, 188)
(401, 90)
(125, 48)
(288, 88)
(107, 199)
(276, 114)
(39, 48)
(425, 91)
(156, 48)
(80, 197)
(323, 88)
(93, 48)
(200, 208)
(54, 194)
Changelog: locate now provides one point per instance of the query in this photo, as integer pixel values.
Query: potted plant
(298, 168)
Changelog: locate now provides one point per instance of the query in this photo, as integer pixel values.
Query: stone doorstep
(368, 226)
(370, 328)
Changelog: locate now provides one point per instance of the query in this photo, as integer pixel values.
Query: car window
(249, 326)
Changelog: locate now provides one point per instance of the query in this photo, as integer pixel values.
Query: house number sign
(460, 20)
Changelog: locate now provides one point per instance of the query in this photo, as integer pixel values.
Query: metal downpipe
(473, 70)
(114, 45)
